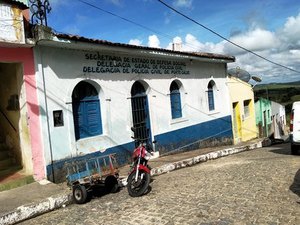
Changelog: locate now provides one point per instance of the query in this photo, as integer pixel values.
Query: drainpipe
(47, 116)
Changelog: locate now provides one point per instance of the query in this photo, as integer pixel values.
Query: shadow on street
(295, 187)
(98, 192)
(282, 148)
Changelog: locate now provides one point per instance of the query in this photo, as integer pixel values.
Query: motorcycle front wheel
(139, 187)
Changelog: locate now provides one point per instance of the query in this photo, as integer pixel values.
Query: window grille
(210, 96)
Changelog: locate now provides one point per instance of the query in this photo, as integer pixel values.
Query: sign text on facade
(136, 65)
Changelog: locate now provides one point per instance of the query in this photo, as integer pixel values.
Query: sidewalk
(40, 197)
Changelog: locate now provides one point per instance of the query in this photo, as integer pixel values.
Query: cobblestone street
(254, 187)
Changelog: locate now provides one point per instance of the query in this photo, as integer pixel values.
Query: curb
(55, 202)
(205, 157)
(35, 209)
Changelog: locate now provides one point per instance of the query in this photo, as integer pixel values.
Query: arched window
(210, 95)
(140, 113)
(86, 111)
(137, 89)
(175, 100)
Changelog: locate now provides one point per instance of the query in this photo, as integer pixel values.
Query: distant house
(263, 111)
(20, 134)
(243, 110)
(278, 120)
(92, 91)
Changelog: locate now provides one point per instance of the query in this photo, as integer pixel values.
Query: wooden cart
(84, 175)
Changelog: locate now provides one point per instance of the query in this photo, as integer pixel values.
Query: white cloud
(57, 3)
(167, 20)
(192, 44)
(295, 55)
(281, 46)
(115, 2)
(291, 31)
(254, 40)
(183, 3)
(153, 41)
(135, 42)
(177, 39)
(71, 29)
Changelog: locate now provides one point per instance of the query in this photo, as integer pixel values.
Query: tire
(136, 189)
(79, 194)
(294, 149)
(111, 184)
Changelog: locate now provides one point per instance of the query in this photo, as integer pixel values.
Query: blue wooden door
(86, 111)
(176, 104)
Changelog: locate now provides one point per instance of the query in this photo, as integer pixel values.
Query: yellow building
(243, 110)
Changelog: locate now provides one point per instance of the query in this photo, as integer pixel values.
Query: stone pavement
(257, 187)
(34, 199)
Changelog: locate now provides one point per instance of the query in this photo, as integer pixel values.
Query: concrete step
(8, 171)
(3, 146)
(4, 154)
(6, 163)
(6, 159)
(15, 182)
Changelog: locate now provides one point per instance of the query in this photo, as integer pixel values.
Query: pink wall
(25, 56)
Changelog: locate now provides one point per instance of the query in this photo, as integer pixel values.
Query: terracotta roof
(22, 3)
(107, 43)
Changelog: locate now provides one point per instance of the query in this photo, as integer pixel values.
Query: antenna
(239, 73)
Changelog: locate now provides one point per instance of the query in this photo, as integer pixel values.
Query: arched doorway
(86, 111)
(140, 112)
(15, 148)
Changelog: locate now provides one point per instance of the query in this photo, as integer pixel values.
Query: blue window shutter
(175, 104)
(211, 103)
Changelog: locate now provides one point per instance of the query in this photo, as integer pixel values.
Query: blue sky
(270, 28)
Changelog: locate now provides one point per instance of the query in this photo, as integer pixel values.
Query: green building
(263, 112)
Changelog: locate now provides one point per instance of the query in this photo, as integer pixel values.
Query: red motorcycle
(139, 174)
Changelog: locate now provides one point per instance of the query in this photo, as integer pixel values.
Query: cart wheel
(79, 194)
(111, 184)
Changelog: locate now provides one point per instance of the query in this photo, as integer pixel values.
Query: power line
(205, 27)
(132, 22)
(123, 18)
(226, 39)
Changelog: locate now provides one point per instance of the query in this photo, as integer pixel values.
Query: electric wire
(123, 18)
(167, 36)
(194, 47)
(194, 21)
(144, 27)
(226, 39)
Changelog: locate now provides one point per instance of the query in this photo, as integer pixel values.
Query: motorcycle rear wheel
(139, 187)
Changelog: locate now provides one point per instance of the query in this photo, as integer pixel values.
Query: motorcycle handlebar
(143, 141)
